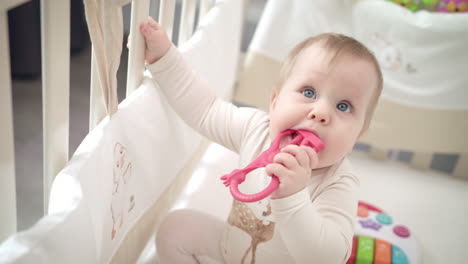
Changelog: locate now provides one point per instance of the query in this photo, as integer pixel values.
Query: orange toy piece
(383, 252)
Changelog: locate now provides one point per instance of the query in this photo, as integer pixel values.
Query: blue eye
(343, 107)
(309, 93)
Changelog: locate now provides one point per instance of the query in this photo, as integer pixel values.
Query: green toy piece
(365, 250)
(407, 4)
(430, 3)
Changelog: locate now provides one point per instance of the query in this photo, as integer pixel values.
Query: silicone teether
(233, 179)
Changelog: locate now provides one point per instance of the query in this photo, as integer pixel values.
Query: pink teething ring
(236, 177)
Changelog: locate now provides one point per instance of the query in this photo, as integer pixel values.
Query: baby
(329, 84)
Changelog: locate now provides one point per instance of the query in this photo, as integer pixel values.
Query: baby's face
(330, 101)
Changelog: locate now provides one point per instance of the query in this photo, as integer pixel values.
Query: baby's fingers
(145, 29)
(312, 155)
(277, 170)
(299, 155)
(287, 159)
(153, 23)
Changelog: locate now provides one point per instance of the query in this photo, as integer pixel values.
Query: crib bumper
(107, 190)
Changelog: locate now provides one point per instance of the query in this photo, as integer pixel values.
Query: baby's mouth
(286, 139)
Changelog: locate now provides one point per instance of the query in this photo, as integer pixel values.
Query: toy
(430, 3)
(407, 4)
(454, 6)
(379, 239)
(233, 179)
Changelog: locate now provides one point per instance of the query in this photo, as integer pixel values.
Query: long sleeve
(197, 104)
(317, 227)
(321, 229)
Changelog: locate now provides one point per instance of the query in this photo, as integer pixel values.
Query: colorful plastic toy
(430, 3)
(454, 6)
(379, 239)
(236, 177)
(409, 4)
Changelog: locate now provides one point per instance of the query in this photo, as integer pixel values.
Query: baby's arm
(191, 97)
(320, 230)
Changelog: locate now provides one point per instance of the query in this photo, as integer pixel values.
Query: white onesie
(314, 225)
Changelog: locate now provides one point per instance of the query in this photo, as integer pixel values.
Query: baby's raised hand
(293, 167)
(157, 42)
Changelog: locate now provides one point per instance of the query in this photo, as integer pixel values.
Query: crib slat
(166, 15)
(136, 55)
(55, 41)
(7, 154)
(97, 107)
(187, 21)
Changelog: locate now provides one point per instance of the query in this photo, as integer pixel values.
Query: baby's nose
(320, 116)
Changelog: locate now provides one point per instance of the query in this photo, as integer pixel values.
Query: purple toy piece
(370, 224)
(236, 177)
(401, 231)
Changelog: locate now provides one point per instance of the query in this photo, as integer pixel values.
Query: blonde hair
(337, 45)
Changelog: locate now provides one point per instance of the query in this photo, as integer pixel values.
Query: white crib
(203, 157)
(55, 52)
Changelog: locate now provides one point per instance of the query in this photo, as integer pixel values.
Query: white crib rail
(7, 156)
(166, 15)
(135, 69)
(55, 40)
(187, 21)
(55, 45)
(136, 57)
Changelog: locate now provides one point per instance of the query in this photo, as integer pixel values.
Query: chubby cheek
(333, 153)
(278, 123)
(336, 147)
